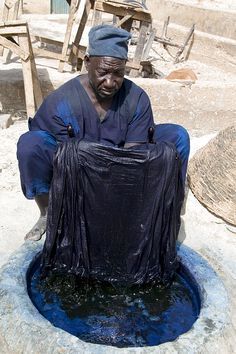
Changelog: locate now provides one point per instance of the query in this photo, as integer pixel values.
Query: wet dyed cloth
(114, 213)
(69, 111)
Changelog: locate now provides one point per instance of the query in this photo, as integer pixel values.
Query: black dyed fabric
(114, 214)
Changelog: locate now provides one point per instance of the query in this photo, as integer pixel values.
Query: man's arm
(138, 132)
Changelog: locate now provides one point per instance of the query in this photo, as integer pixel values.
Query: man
(100, 106)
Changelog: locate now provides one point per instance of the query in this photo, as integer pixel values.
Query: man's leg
(177, 135)
(35, 151)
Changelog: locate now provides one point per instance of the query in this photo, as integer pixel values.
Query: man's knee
(183, 140)
(35, 150)
(32, 143)
(175, 134)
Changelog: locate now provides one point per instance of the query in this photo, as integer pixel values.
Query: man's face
(106, 75)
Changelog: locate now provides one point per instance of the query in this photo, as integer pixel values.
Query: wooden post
(149, 44)
(33, 94)
(10, 13)
(73, 8)
(122, 22)
(75, 46)
(97, 18)
(181, 49)
(38, 97)
(140, 46)
(28, 77)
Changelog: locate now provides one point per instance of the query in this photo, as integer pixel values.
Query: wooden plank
(74, 51)
(6, 43)
(28, 78)
(126, 4)
(47, 53)
(128, 25)
(73, 9)
(164, 30)
(11, 9)
(46, 40)
(132, 65)
(181, 49)
(149, 44)
(12, 31)
(118, 10)
(167, 42)
(13, 23)
(138, 55)
(38, 97)
(97, 18)
(10, 12)
(5, 13)
(15, 10)
(123, 20)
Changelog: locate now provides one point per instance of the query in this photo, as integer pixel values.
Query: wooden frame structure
(167, 42)
(75, 52)
(10, 13)
(127, 14)
(68, 53)
(8, 30)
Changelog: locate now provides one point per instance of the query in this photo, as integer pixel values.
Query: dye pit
(122, 317)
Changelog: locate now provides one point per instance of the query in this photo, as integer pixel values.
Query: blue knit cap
(108, 41)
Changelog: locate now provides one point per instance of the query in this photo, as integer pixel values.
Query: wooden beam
(12, 31)
(138, 55)
(167, 42)
(97, 18)
(47, 53)
(181, 49)
(75, 46)
(132, 65)
(119, 10)
(6, 43)
(123, 20)
(47, 40)
(38, 97)
(148, 46)
(58, 56)
(28, 78)
(13, 23)
(73, 8)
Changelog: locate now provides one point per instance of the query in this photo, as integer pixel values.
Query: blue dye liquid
(123, 317)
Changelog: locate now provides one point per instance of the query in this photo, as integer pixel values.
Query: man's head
(106, 58)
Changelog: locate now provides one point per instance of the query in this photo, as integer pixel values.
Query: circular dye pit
(100, 313)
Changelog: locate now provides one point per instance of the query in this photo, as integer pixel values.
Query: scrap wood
(15, 48)
(181, 49)
(123, 20)
(168, 42)
(130, 3)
